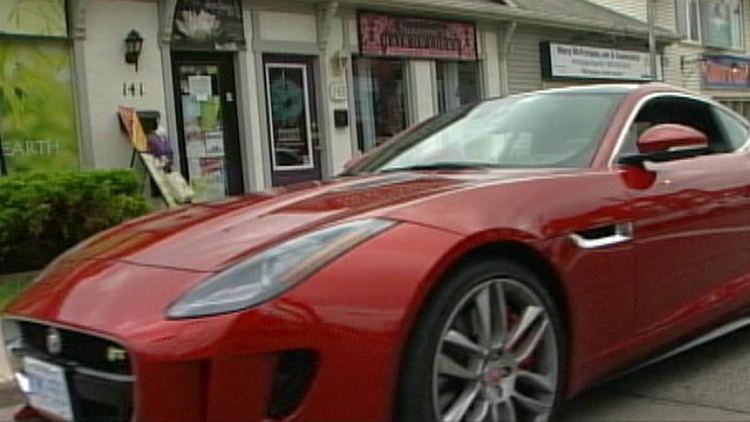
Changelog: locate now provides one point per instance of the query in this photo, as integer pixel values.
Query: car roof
(625, 88)
(641, 89)
(594, 89)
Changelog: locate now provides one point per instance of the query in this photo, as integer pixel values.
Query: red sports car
(482, 266)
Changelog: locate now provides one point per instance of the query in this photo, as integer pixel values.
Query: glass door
(380, 97)
(207, 119)
(292, 120)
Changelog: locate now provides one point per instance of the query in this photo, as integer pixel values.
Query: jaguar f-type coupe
(481, 266)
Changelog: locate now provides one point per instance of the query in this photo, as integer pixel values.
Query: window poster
(290, 118)
(37, 18)
(37, 109)
(208, 25)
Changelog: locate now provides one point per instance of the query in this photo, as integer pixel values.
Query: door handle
(604, 236)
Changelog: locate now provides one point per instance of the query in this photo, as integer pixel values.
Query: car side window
(736, 132)
(689, 112)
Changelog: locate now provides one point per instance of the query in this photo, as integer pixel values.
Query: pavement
(9, 399)
(709, 383)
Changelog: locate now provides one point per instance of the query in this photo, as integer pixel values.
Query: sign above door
(567, 61)
(208, 25)
(402, 36)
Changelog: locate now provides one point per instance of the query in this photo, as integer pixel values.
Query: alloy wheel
(497, 357)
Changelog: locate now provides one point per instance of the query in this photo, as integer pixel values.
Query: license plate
(48, 389)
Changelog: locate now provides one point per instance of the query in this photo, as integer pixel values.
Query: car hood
(210, 237)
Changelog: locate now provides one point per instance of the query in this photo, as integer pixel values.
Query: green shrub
(43, 214)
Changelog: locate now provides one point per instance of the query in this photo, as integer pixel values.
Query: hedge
(43, 214)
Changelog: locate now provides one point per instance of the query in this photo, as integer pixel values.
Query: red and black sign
(725, 72)
(400, 36)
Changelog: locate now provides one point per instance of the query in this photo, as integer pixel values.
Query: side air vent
(294, 374)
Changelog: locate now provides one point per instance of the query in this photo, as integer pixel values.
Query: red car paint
(685, 271)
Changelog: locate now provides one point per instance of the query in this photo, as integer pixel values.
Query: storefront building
(261, 93)
(712, 55)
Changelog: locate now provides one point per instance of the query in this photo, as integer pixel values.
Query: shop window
(457, 84)
(380, 95)
(37, 109)
(715, 23)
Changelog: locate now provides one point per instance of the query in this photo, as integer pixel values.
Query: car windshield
(537, 130)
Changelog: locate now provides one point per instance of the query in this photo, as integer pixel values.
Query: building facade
(711, 55)
(260, 93)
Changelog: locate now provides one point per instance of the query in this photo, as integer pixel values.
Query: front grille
(83, 349)
(98, 370)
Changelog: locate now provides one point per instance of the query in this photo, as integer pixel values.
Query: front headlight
(274, 271)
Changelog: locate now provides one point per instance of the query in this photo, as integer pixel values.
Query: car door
(691, 222)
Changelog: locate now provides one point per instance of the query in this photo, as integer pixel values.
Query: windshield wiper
(439, 166)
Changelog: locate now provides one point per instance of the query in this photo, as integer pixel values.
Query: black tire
(414, 389)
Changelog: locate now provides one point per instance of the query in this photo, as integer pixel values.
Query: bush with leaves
(43, 214)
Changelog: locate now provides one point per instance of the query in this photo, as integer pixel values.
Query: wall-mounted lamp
(133, 47)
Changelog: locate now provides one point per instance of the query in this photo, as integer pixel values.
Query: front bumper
(327, 350)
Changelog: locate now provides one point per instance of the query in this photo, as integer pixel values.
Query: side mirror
(667, 142)
(670, 137)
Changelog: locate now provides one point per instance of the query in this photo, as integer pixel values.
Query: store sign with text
(401, 36)
(725, 72)
(567, 61)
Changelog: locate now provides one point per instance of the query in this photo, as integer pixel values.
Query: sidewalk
(9, 400)
(710, 383)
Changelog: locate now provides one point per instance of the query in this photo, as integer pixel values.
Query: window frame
(693, 38)
(735, 21)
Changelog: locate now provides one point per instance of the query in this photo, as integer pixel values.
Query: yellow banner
(131, 125)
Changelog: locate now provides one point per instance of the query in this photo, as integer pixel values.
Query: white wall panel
(108, 23)
(294, 27)
(633, 8)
